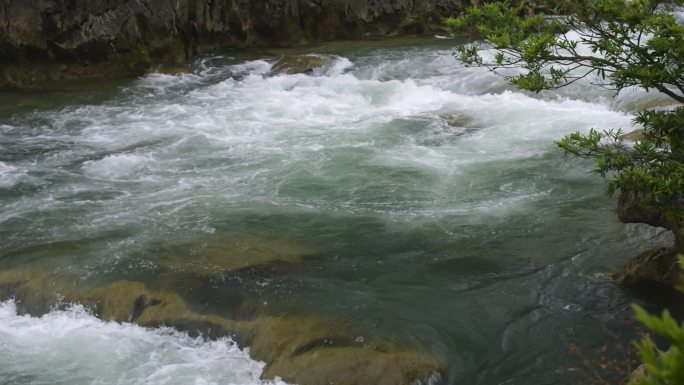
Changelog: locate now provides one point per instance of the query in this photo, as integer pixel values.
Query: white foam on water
(73, 347)
(340, 65)
(234, 135)
(254, 67)
(160, 80)
(10, 175)
(117, 167)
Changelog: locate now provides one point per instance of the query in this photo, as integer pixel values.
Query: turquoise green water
(433, 205)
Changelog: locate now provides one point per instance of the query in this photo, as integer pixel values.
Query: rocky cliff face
(43, 39)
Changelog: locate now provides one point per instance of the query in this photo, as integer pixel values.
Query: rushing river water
(432, 204)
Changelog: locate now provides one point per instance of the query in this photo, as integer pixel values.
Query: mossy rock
(133, 63)
(300, 64)
(351, 365)
(310, 351)
(660, 267)
(303, 350)
(218, 257)
(35, 291)
(127, 301)
(303, 334)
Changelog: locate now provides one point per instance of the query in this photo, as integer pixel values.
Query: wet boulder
(659, 267)
(317, 351)
(300, 64)
(457, 120)
(127, 301)
(36, 292)
(633, 207)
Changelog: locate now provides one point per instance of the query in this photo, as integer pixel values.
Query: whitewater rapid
(432, 194)
(73, 347)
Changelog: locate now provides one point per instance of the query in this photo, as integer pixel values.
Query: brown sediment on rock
(51, 39)
(302, 350)
(659, 267)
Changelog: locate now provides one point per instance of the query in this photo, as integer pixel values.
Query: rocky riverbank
(53, 39)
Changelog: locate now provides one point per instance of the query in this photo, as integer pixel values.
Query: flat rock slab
(220, 256)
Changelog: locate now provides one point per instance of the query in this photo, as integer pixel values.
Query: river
(421, 201)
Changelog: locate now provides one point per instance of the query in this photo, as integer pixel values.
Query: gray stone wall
(133, 33)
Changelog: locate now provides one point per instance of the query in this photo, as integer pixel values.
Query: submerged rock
(303, 350)
(127, 301)
(324, 362)
(300, 64)
(35, 291)
(659, 266)
(448, 128)
(457, 120)
(219, 257)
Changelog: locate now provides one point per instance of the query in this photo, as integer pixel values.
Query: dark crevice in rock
(141, 303)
